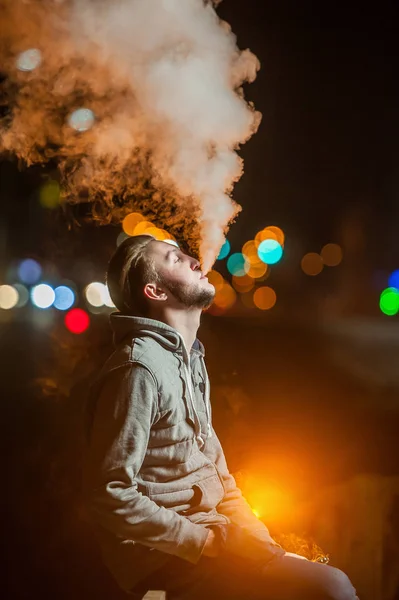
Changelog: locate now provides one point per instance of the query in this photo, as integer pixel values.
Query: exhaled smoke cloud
(163, 81)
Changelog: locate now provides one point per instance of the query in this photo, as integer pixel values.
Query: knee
(339, 586)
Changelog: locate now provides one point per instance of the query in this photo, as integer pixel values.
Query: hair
(129, 270)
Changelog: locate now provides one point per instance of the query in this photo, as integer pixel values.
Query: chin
(205, 283)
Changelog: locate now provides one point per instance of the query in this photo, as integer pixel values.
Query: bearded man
(166, 510)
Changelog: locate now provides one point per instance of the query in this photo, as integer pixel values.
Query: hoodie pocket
(170, 495)
(212, 492)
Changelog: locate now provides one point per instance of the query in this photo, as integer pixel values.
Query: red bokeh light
(77, 320)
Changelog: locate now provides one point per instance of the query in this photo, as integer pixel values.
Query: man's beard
(191, 296)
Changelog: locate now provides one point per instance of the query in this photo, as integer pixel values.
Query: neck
(186, 322)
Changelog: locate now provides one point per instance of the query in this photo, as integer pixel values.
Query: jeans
(229, 577)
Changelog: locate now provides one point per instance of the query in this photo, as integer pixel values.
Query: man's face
(181, 276)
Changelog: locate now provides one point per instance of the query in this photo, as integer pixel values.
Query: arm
(125, 411)
(234, 506)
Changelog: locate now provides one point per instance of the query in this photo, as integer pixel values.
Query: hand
(292, 555)
(211, 547)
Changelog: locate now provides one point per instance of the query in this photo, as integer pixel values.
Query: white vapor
(158, 84)
(184, 68)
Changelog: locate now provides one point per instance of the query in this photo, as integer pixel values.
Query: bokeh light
(64, 297)
(29, 271)
(389, 301)
(265, 298)
(265, 234)
(243, 284)
(393, 281)
(49, 195)
(77, 320)
(130, 221)
(331, 255)
(225, 297)
(258, 271)
(143, 227)
(23, 295)
(237, 264)
(216, 279)
(42, 295)
(270, 251)
(8, 297)
(312, 264)
(279, 233)
(81, 119)
(224, 250)
(29, 60)
(107, 298)
(159, 234)
(250, 251)
(94, 293)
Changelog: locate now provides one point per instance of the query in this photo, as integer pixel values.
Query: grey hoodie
(155, 474)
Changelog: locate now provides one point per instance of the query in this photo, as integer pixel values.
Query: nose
(195, 264)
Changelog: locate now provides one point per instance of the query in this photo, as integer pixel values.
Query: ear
(154, 292)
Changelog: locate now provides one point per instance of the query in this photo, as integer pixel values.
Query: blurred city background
(302, 342)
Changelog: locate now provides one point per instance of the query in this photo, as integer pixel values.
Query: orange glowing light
(265, 234)
(167, 235)
(216, 279)
(158, 234)
(258, 270)
(279, 233)
(331, 255)
(250, 251)
(242, 284)
(225, 297)
(312, 264)
(143, 227)
(265, 298)
(130, 222)
(272, 502)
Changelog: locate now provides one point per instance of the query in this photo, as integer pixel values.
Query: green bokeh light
(389, 301)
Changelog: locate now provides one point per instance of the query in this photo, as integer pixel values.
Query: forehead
(162, 250)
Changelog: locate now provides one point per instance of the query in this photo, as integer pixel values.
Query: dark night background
(305, 395)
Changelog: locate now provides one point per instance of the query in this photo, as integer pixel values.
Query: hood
(126, 325)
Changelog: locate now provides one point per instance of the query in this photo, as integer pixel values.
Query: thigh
(232, 578)
(289, 578)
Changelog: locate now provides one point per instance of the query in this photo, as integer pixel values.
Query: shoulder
(139, 352)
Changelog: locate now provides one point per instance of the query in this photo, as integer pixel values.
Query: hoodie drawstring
(187, 368)
(207, 398)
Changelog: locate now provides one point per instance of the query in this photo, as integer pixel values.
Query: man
(167, 512)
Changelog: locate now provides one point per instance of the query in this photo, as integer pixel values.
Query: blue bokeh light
(224, 250)
(393, 281)
(29, 271)
(238, 265)
(270, 251)
(29, 60)
(81, 119)
(64, 297)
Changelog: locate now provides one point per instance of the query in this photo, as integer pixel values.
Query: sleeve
(125, 410)
(234, 505)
